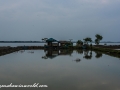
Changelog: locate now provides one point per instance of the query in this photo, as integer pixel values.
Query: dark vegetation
(86, 44)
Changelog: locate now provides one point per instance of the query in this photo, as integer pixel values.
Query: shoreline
(112, 50)
(109, 50)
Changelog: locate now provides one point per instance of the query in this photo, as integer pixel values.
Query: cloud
(56, 18)
(5, 6)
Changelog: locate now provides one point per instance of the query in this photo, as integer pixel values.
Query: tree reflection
(65, 52)
(79, 51)
(98, 54)
(87, 54)
(54, 53)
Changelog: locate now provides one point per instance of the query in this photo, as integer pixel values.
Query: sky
(59, 19)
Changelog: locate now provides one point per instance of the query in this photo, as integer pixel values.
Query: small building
(65, 43)
(52, 43)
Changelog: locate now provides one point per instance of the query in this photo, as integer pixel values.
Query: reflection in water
(79, 51)
(87, 54)
(31, 52)
(60, 73)
(98, 54)
(21, 51)
(45, 57)
(77, 60)
(54, 53)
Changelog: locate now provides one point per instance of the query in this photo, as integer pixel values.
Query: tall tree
(79, 42)
(98, 38)
(87, 39)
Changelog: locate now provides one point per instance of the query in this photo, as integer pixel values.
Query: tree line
(88, 39)
(85, 40)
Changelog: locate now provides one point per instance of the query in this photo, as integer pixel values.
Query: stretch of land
(52, 44)
(45, 42)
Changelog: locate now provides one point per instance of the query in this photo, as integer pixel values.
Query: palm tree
(98, 38)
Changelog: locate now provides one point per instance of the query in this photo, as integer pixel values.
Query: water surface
(60, 71)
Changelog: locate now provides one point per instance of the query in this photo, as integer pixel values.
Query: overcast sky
(59, 19)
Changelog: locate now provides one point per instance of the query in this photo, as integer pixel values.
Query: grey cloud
(76, 19)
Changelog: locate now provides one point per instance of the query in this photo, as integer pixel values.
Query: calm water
(60, 71)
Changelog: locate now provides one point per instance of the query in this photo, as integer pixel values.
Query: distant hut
(52, 43)
(65, 44)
